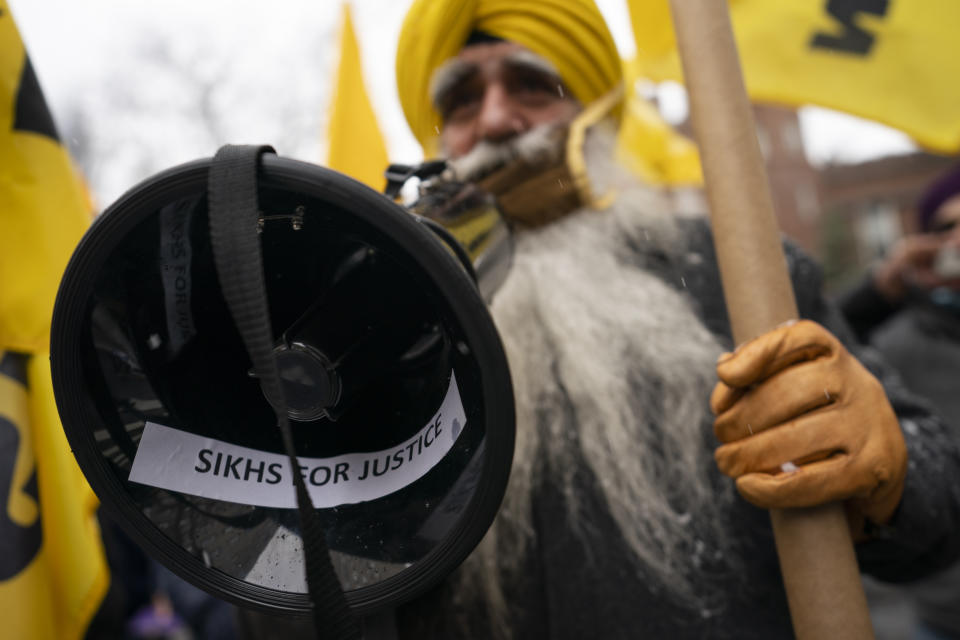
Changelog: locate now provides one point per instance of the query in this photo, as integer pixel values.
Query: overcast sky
(137, 74)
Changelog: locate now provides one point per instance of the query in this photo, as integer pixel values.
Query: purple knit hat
(939, 191)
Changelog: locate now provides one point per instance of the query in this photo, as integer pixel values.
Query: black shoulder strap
(232, 193)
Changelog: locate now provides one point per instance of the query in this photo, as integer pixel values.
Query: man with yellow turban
(571, 34)
(618, 521)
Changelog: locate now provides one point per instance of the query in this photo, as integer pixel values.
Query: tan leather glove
(804, 423)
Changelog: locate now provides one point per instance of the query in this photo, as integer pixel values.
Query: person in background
(146, 601)
(908, 308)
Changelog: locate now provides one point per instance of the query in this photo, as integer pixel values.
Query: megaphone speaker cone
(393, 374)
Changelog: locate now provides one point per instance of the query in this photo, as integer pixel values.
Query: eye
(460, 100)
(945, 227)
(535, 85)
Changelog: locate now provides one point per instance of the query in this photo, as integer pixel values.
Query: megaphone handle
(232, 194)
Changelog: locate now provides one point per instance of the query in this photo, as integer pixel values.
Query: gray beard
(611, 367)
(540, 145)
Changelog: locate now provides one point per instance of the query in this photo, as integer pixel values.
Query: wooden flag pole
(819, 568)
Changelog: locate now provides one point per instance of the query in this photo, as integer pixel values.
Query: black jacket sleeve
(865, 309)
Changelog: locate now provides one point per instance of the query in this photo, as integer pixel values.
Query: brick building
(794, 183)
(868, 206)
(844, 215)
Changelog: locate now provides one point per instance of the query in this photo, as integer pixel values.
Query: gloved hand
(804, 423)
(913, 262)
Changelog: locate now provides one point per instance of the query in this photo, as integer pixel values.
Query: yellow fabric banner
(53, 573)
(893, 61)
(356, 144)
(43, 207)
(650, 147)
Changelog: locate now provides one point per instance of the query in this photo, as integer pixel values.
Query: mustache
(541, 145)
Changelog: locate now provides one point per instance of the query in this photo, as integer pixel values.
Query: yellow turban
(571, 34)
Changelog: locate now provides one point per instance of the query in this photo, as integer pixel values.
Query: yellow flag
(356, 145)
(53, 574)
(650, 147)
(42, 203)
(893, 61)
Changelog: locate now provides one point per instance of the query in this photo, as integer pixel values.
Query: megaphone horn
(394, 379)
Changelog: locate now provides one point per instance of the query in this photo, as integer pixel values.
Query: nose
(500, 117)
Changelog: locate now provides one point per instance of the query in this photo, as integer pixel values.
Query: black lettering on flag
(852, 38)
(19, 544)
(31, 112)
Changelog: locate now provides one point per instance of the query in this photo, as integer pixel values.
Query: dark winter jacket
(922, 342)
(573, 588)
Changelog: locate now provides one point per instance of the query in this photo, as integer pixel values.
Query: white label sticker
(180, 461)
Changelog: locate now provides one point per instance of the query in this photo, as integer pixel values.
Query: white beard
(596, 341)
